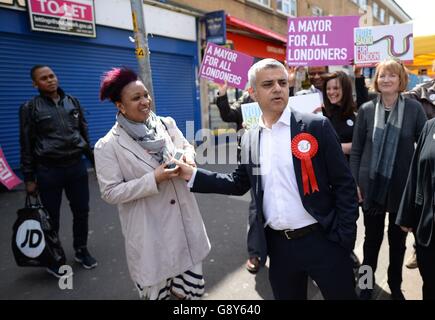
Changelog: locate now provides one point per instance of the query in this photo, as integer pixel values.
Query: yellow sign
(140, 52)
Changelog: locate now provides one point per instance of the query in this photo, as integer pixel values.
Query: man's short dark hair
(36, 67)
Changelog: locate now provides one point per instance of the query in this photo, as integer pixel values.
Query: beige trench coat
(162, 226)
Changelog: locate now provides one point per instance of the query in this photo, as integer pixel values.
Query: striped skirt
(186, 286)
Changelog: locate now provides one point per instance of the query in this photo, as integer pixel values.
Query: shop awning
(236, 22)
(424, 53)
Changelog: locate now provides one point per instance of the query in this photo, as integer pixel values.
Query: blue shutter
(79, 66)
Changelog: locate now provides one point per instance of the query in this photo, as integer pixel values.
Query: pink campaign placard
(7, 176)
(58, 8)
(221, 64)
(321, 41)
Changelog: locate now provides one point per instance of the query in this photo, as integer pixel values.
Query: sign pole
(142, 50)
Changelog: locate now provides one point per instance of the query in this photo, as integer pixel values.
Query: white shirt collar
(284, 119)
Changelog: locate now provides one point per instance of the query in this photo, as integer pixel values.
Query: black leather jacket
(52, 135)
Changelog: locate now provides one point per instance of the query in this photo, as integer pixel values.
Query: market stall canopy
(424, 54)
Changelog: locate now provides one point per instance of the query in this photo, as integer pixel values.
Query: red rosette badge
(304, 147)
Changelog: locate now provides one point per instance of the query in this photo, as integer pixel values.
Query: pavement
(225, 218)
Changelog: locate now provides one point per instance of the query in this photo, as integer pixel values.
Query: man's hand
(357, 71)
(188, 159)
(222, 89)
(292, 75)
(186, 170)
(406, 229)
(31, 188)
(161, 173)
(360, 197)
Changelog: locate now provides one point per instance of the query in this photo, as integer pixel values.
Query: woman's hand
(318, 109)
(161, 173)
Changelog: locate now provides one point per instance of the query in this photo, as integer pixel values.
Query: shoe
(412, 261)
(84, 257)
(54, 271)
(253, 264)
(366, 294)
(396, 294)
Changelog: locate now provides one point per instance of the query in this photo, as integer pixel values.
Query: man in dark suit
(306, 214)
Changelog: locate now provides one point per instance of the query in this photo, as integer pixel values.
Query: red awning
(233, 21)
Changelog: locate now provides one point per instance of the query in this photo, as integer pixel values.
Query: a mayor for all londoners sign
(62, 16)
(320, 41)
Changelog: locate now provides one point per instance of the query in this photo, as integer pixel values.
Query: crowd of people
(358, 153)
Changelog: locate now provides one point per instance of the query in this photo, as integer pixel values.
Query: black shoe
(54, 271)
(253, 265)
(396, 294)
(84, 257)
(366, 294)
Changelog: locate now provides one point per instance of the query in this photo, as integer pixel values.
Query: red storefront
(254, 40)
(250, 39)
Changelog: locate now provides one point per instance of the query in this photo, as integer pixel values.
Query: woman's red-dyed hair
(113, 81)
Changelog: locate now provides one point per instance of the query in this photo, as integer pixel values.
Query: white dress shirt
(282, 204)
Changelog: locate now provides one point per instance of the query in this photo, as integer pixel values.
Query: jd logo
(30, 238)
(33, 237)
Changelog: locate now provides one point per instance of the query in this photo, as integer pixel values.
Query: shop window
(288, 7)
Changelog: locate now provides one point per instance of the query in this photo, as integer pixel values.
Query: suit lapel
(254, 149)
(296, 128)
(128, 143)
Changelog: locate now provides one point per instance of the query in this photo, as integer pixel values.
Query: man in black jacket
(54, 138)
(304, 231)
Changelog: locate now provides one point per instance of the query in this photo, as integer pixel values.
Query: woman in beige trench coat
(165, 237)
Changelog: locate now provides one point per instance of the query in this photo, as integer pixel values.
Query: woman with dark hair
(340, 107)
(385, 132)
(165, 237)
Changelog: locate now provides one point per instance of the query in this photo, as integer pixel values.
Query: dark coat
(414, 119)
(335, 206)
(425, 94)
(417, 206)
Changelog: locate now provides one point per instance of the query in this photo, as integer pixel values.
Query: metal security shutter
(173, 81)
(79, 66)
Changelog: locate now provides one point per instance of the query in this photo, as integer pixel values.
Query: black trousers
(313, 255)
(74, 180)
(426, 265)
(374, 234)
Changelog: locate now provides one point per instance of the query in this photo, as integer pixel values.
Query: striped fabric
(186, 286)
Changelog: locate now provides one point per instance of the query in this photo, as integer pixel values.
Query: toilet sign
(62, 16)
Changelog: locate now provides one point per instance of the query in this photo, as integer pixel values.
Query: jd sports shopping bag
(34, 243)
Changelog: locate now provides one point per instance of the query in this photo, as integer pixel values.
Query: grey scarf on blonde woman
(385, 141)
(148, 135)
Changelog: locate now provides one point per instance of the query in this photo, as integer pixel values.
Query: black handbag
(34, 242)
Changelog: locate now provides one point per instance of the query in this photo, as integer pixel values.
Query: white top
(282, 204)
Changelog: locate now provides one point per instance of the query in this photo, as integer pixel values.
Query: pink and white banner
(321, 41)
(7, 176)
(225, 65)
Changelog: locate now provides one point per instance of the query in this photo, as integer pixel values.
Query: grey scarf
(147, 134)
(385, 141)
